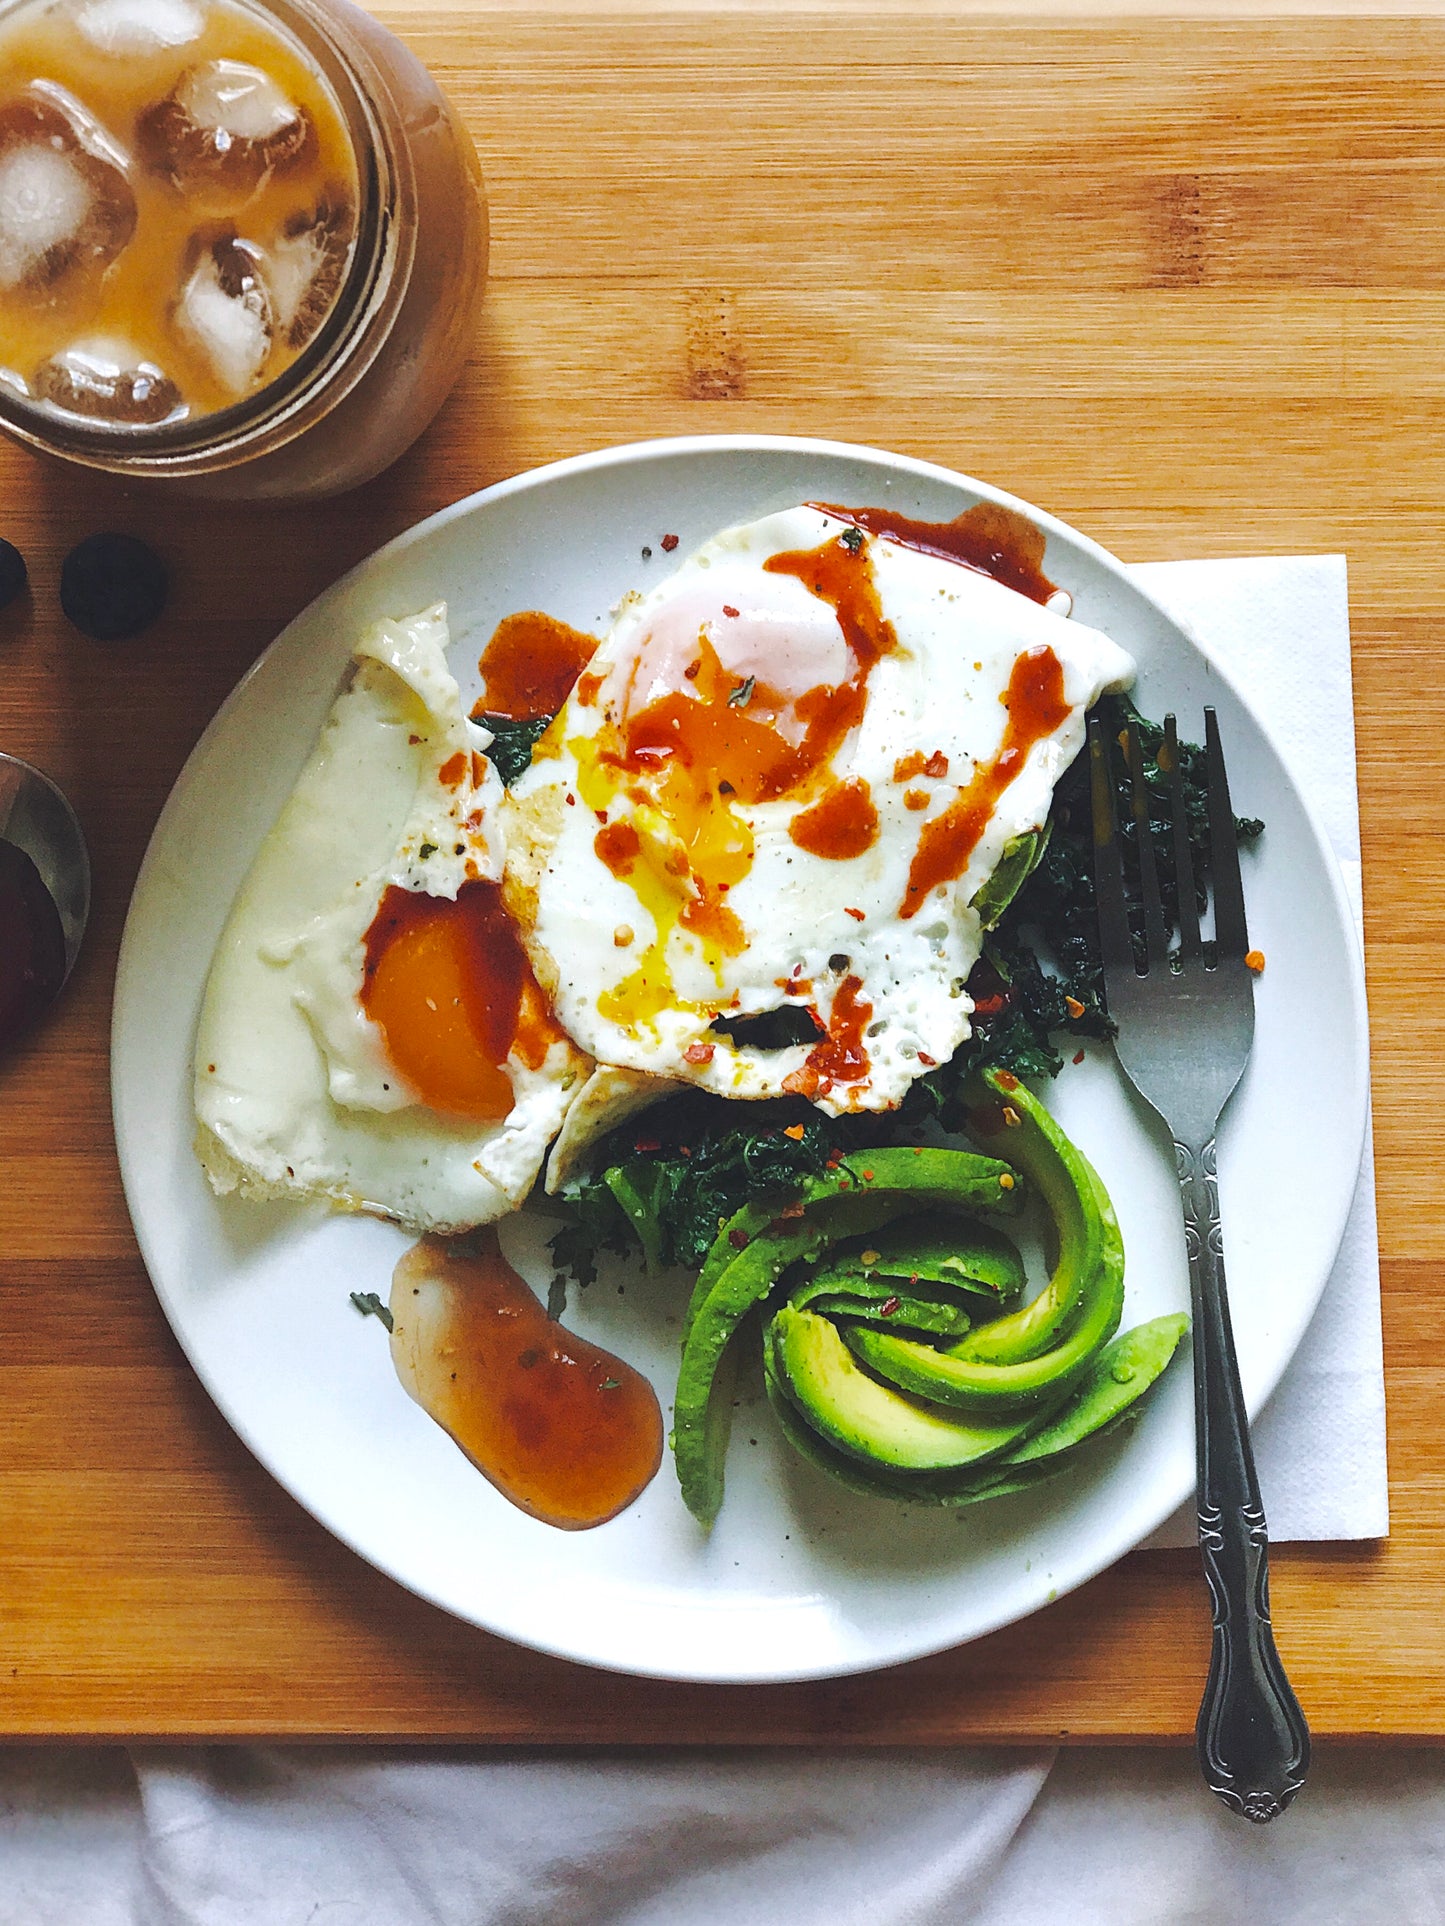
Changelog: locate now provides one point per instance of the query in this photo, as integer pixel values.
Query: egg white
(294, 1093)
(807, 918)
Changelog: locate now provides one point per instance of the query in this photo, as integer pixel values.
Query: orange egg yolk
(449, 986)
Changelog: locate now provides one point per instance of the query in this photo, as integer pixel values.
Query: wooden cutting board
(1181, 282)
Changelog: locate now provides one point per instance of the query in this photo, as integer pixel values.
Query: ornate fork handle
(1254, 1745)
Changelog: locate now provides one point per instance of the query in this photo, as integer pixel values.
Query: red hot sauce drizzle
(994, 540)
(562, 1428)
(450, 987)
(840, 825)
(844, 822)
(1036, 707)
(842, 1056)
(529, 666)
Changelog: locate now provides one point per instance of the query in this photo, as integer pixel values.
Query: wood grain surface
(1179, 280)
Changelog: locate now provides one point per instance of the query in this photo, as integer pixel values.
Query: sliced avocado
(991, 1480)
(756, 1245)
(882, 1302)
(987, 1391)
(1117, 1378)
(1027, 1134)
(867, 1420)
(1104, 1399)
(935, 1248)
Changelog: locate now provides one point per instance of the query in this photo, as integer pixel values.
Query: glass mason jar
(395, 336)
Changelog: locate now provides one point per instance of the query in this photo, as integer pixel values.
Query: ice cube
(225, 312)
(107, 380)
(306, 262)
(64, 199)
(224, 125)
(134, 28)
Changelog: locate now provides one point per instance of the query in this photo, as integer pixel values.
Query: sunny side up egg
(779, 784)
(372, 1033)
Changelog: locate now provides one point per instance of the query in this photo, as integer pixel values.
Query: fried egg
(372, 1033)
(778, 786)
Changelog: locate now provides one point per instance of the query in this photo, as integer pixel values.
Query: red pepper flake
(789, 1211)
(669, 543)
(648, 1143)
(739, 1239)
(693, 671)
(796, 1132)
(1254, 960)
(889, 1306)
(988, 1006)
(728, 609)
(928, 1062)
(1005, 1079)
(698, 1053)
(684, 1150)
(937, 764)
(1074, 1007)
(571, 800)
(600, 814)
(868, 1176)
(857, 915)
(413, 740)
(1078, 1056)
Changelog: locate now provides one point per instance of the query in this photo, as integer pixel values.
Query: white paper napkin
(1280, 628)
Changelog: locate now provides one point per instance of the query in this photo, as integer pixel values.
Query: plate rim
(622, 455)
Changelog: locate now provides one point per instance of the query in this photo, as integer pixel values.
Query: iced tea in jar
(241, 241)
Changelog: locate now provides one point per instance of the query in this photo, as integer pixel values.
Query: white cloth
(307, 1837)
(1280, 627)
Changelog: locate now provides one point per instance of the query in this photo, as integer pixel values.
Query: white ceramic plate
(799, 1578)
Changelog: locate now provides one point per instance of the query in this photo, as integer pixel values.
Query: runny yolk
(529, 666)
(450, 988)
(1036, 707)
(689, 758)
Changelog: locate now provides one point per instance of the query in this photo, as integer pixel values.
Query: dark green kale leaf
(370, 1305)
(770, 1030)
(513, 740)
(663, 1184)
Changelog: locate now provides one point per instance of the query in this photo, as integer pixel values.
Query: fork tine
(1115, 943)
(1189, 946)
(1230, 932)
(1156, 936)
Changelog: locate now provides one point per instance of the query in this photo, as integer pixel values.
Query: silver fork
(1185, 1026)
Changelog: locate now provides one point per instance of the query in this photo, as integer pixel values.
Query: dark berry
(12, 573)
(112, 586)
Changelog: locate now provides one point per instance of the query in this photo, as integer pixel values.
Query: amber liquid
(133, 299)
(565, 1430)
